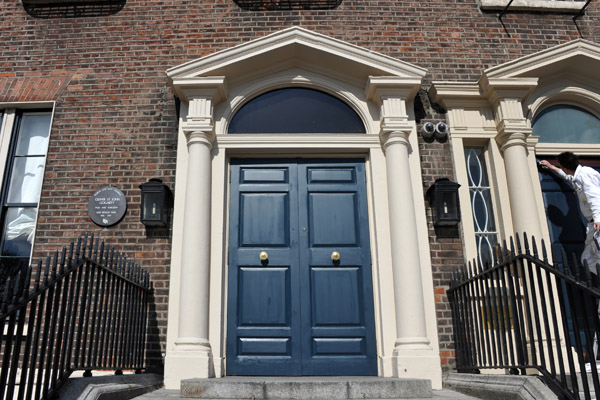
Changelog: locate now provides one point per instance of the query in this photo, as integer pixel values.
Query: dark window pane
(296, 110)
(566, 124)
(476, 166)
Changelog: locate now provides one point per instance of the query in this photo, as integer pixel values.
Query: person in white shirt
(586, 182)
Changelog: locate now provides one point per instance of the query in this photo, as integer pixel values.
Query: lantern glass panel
(448, 205)
(153, 206)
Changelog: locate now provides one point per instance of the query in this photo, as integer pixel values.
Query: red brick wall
(115, 121)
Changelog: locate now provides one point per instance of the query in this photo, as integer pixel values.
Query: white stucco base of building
(418, 364)
(187, 364)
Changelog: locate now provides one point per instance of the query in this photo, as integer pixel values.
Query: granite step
(306, 388)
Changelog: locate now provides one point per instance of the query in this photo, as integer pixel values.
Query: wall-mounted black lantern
(156, 203)
(443, 199)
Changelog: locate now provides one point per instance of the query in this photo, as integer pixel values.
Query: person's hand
(597, 226)
(546, 164)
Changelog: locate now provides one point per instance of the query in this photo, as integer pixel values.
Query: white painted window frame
(8, 112)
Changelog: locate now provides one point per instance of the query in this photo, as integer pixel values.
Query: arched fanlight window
(296, 110)
(566, 124)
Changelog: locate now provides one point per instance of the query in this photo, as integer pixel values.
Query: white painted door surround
(380, 89)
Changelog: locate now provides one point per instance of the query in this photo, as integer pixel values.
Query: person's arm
(546, 164)
(591, 189)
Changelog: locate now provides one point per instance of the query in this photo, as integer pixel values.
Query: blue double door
(300, 293)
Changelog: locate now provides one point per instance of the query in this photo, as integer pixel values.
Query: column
(523, 204)
(406, 263)
(195, 260)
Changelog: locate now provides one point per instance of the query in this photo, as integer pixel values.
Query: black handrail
(69, 318)
(515, 315)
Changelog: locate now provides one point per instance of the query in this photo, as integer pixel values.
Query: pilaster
(192, 356)
(413, 356)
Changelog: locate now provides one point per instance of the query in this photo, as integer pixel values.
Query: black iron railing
(525, 315)
(85, 309)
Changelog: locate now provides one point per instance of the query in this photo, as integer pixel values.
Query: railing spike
(78, 249)
(586, 273)
(544, 252)
(478, 265)
(54, 266)
(111, 266)
(526, 243)
(470, 272)
(38, 274)
(101, 257)
(6, 295)
(597, 269)
(16, 286)
(534, 247)
(26, 281)
(96, 245)
(565, 262)
(63, 257)
(70, 257)
(500, 253)
(86, 244)
(47, 270)
(518, 243)
(576, 264)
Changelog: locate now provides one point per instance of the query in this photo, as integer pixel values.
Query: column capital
(507, 95)
(391, 137)
(206, 137)
(507, 138)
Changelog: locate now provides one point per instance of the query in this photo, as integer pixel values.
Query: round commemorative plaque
(107, 206)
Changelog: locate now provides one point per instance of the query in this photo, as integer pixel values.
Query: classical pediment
(579, 57)
(296, 47)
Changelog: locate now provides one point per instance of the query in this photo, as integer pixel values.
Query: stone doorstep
(306, 388)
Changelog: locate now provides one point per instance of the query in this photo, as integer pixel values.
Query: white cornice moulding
(213, 86)
(296, 141)
(533, 5)
(553, 55)
(379, 86)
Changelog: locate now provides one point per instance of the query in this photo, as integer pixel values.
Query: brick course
(115, 118)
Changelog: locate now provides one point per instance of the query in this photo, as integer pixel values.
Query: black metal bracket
(580, 14)
(502, 15)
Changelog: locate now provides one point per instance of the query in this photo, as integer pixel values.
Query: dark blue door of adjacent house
(300, 293)
(566, 224)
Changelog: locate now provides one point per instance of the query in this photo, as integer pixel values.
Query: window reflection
(296, 110)
(566, 124)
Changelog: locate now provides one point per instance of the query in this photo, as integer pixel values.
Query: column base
(186, 364)
(420, 364)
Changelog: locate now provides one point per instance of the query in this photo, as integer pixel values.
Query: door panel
(337, 314)
(299, 312)
(263, 328)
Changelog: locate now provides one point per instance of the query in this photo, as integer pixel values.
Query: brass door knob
(264, 256)
(335, 256)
